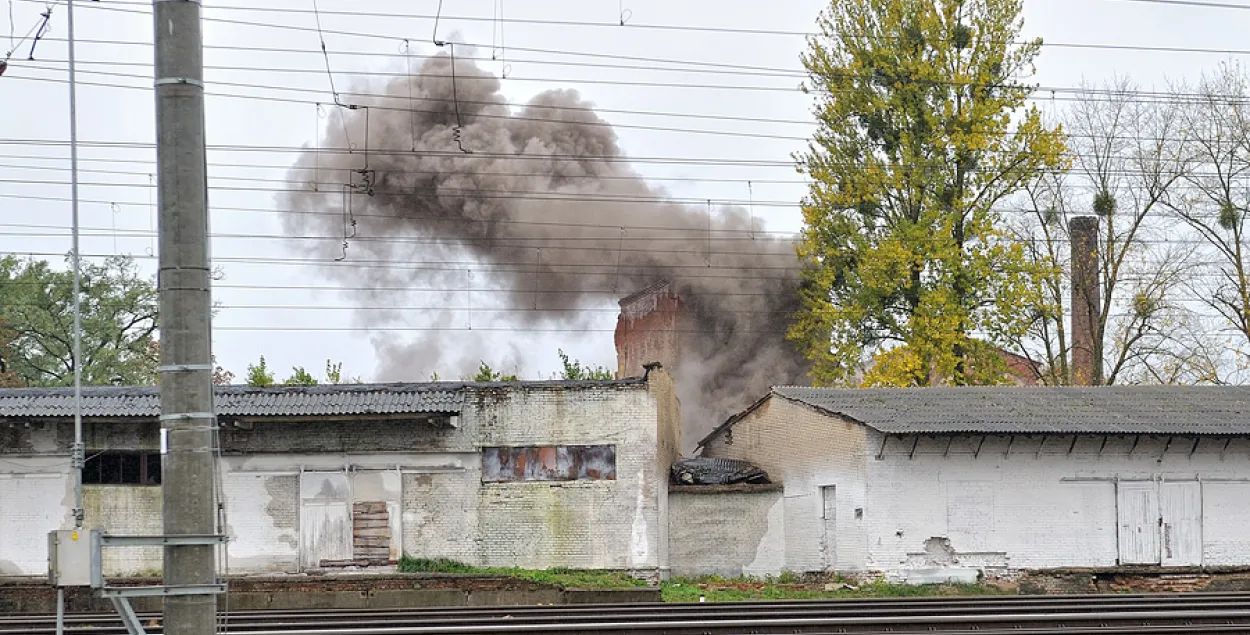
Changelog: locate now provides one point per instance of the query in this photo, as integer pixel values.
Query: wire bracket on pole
(182, 368)
(77, 454)
(167, 81)
(40, 32)
(77, 461)
(184, 416)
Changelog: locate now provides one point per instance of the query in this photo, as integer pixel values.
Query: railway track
(1018, 615)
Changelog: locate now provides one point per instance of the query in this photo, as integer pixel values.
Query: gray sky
(284, 290)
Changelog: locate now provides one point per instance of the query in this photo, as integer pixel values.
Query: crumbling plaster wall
(728, 533)
(443, 507)
(596, 524)
(1020, 504)
(806, 450)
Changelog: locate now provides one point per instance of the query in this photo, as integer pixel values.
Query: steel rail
(725, 611)
(951, 601)
(1140, 609)
(781, 622)
(766, 624)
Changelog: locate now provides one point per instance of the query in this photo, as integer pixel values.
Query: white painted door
(829, 535)
(1180, 509)
(325, 518)
(1138, 510)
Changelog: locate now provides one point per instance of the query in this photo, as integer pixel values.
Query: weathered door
(1180, 509)
(376, 514)
(325, 518)
(1138, 511)
(829, 535)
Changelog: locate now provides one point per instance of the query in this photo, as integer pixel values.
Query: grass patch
(786, 586)
(408, 564)
(565, 578)
(790, 587)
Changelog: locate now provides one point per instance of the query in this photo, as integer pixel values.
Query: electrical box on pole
(69, 557)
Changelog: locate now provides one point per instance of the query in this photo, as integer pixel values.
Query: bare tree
(1217, 138)
(1127, 161)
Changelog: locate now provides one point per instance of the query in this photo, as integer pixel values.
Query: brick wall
(440, 512)
(308, 437)
(730, 533)
(125, 510)
(586, 524)
(262, 520)
(647, 330)
(805, 450)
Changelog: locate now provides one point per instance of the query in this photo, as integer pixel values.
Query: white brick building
(529, 474)
(951, 482)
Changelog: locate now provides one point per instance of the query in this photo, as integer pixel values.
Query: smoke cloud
(536, 232)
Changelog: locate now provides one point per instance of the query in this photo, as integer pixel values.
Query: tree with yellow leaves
(922, 132)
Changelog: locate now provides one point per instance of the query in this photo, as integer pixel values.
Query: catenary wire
(485, 115)
(685, 28)
(501, 243)
(1079, 94)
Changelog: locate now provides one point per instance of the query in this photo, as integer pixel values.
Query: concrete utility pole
(185, 313)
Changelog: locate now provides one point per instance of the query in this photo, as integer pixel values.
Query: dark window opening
(122, 468)
(549, 463)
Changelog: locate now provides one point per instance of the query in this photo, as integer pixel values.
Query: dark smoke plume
(546, 214)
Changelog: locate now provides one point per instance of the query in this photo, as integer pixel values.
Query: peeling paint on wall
(549, 463)
(726, 533)
(640, 548)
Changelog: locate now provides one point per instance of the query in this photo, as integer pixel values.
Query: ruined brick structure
(648, 330)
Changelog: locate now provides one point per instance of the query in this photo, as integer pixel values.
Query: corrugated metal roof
(352, 399)
(1216, 410)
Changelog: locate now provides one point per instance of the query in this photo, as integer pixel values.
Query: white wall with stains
(289, 511)
(33, 501)
(1038, 502)
(945, 505)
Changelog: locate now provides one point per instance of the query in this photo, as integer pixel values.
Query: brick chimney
(1086, 366)
(647, 330)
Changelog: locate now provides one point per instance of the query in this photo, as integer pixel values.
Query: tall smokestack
(1086, 301)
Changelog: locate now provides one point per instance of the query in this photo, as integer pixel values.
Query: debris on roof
(701, 471)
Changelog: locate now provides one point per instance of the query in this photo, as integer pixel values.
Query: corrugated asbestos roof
(1216, 410)
(129, 401)
(279, 401)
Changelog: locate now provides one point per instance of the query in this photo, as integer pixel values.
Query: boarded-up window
(549, 463)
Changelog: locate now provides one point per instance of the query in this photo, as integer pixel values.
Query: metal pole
(60, 610)
(185, 312)
(76, 451)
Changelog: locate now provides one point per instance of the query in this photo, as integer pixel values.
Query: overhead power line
(1093, 95)
(1071, 93)
(644, 235)
(1191, 3)
(118, 5)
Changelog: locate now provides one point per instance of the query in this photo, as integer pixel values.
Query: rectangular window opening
(120, 467)
(550, 463)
